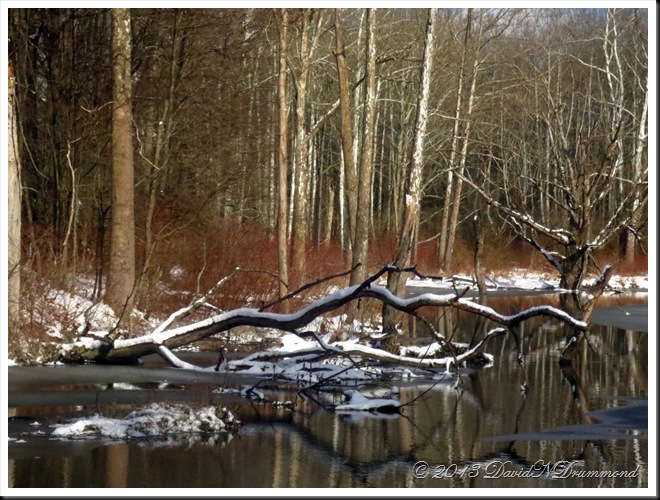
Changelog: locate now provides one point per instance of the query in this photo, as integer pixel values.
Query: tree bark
(638, 173)
(121, 275)
(414, 184)
(14, 209)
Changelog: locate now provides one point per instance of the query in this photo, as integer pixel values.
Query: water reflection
(483, 424)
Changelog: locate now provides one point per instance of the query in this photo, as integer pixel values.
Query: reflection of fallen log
(162, 341)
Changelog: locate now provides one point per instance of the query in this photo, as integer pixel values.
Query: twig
(195, 304)
(306, 287)
(424, 392)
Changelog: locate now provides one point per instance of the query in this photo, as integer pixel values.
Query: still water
(571, 429)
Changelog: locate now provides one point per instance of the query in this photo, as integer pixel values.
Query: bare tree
(414, 182)
(592, 197)
(309, 36)
(615, 66)
(158, 133)
(346, 128)
(488, 25)
(282, 162)
(364, 194)
(121, 275)
(444, 248)
(14, 209)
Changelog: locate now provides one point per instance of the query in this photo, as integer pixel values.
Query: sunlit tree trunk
(465, 139)
(348, 165)
(363, 214)
(282, 163)
(444, 227)
(341, 205)
(413, 193)
(638, 173)
(14, 209)
(121, 275)
(641, 138)
(301, 209)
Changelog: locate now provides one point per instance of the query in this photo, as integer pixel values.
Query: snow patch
(246, 392)
(523, 279)
(153, 420)
(356, 401)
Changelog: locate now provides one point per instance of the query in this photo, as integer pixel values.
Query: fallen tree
(101, 347)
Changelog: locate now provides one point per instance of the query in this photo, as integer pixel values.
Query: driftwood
(105, 349)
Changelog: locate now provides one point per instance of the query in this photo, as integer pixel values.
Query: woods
(376, 134)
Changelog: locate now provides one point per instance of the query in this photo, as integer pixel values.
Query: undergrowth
(191, 262)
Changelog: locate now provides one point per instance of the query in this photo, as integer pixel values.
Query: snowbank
(521, 279)
(153, 420)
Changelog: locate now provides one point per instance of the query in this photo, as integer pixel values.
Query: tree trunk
(121, 275)
(346, 128)
(362, 219)
(301, 210)
(414, 184)
(14, 209)
(446, 209)
(282, 164)
(638, 173)
(458, 184)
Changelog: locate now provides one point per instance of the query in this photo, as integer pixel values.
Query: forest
(153, 149)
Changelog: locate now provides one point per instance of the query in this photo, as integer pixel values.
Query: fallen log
(104, 349)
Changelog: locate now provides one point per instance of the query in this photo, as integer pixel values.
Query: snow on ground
(522, 279)
(73, 312)
(153, 420)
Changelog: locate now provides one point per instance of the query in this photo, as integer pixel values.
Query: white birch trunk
(14, 209)
(414, 186)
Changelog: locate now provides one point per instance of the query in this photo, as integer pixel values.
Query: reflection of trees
(449, 426)
(117, 466)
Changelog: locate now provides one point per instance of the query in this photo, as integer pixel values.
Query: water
(483, 434)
